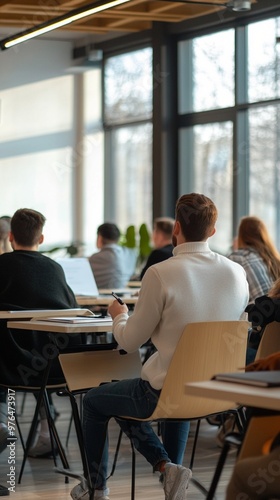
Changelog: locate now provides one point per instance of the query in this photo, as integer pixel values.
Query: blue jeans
(174, 437)
(131, 398)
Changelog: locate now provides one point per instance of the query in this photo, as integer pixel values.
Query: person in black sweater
(263, 311)
(162, 241)
(29, 280)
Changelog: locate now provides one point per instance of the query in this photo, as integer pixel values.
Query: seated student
(162, 241)
(196, 284)
(257, 254)
(265, 310)
(114, 264)
(28, 280)
(174, 434)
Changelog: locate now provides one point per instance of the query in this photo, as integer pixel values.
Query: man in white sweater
(196, 284)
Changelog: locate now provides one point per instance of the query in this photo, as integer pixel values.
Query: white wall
(41, 162)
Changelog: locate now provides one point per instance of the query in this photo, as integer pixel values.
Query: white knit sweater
(194, 285)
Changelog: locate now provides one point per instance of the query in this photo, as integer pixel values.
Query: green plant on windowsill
(140, 241)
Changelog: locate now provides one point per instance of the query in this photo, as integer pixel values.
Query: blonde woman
(257, 254)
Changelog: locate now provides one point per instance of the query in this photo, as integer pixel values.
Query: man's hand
(115, 308)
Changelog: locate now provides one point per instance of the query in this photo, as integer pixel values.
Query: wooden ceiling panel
(136, 15)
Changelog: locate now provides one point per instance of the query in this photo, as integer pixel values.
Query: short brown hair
(197, 215)
(27, 226)
(165, 225)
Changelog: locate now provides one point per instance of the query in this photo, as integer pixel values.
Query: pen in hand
(120, 301)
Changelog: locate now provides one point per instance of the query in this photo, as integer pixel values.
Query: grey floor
(41, 482)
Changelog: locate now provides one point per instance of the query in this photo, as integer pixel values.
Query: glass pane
(37, 108)
(265, 167)
(36, 157)
(264, 60)
(43, 182)
(212, 59)
(128, 86)
(93, 161)
(132, 175)
(213, 176)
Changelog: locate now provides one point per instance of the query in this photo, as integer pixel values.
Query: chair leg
(20, 433)
(218, 471)
(193, 479)
(22, 404)
(30, 436)
(69, 431)
(54, 435)
(194, 444)
(232, 439)
(79, 433)
(116, 454)
(133, 467)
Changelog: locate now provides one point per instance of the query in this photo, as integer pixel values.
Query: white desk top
(119, 291)
(36, 313)
(104, 300)
(56, 327)
(242, 394)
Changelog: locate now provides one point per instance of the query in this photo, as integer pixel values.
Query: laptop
(79, 276)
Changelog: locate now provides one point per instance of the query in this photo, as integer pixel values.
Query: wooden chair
(43, 387)
(270, 341)
(87, 369)
(203, 350)
(42, 391)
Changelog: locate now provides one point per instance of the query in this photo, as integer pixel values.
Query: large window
(212, 172)
(127, 116)
(264, 60)
(93, 160)
(212, 64)
(229, 106)
(265, 166)
(37, 157)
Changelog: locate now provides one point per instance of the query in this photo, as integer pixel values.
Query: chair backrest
(203, 350)
(87, 369)
(270, 341)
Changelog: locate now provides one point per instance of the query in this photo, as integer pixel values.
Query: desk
(259, 429)
(134, 284)
(57, 327)
(104, 300)
(53, 327)
(36, 313)
(119, 291)
(268, 398)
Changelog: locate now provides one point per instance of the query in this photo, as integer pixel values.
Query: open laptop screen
(79, 276)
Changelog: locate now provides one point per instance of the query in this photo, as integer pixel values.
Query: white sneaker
(175, 481)
(79, 493)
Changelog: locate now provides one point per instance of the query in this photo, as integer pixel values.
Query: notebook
(79, 276)
(78, 319)
(260, 379)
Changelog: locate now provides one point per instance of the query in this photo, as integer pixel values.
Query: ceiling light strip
(59, 22)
